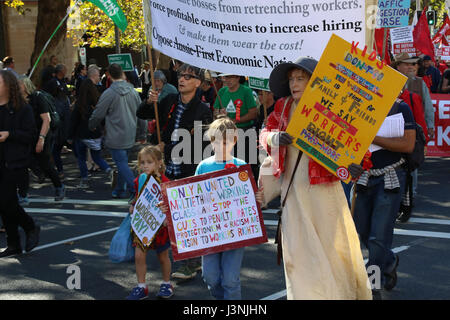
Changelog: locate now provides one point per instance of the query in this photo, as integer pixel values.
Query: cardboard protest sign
(440, 145)
(444, 53)
(250, 37)
(147, 218)
(402, 40)
(346, 100)
(213, 212)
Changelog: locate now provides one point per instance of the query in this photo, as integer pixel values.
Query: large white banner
(251, 37)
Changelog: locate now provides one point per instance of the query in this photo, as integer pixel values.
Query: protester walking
(320, 246)
(151, 163)
(17, 139)
(83, 138)
(42, 103)
(58, 89)
(118, 106)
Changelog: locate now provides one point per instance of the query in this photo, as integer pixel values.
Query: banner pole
(152, 75)
(51, 37)
(384, 44)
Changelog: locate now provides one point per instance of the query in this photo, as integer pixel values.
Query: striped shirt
(174, 169)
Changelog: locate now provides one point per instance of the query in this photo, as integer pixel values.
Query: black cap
(278, 80)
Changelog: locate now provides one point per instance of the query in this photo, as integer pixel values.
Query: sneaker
(138, 293)
(196, 265)
(391, 277)
(23, 201)
(84, 183)
(60, 193)
(120, 194)
(32, 238)
(165, 291)
(184, 272)
(10, 251)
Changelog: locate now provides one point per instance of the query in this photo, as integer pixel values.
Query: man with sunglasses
(178, 114)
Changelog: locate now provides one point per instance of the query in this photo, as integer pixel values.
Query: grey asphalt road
(78, 231)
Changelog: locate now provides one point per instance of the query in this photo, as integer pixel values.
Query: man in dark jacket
(83, 138)
(58, 89)
(177, 112)
(181, 115)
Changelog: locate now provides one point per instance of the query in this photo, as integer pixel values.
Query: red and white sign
(404, 47)
(213, 212)
(440, 145)
(444, 52)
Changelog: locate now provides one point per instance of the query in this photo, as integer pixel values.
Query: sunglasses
(187, 76)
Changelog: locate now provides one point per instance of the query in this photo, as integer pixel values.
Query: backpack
(416, 158)
(55, 118)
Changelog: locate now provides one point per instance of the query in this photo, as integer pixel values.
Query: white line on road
(79, 212)
(283, 293)
(45, 246)
(80, 201)
(418, 233)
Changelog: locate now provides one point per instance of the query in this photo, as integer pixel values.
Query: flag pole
(148, 27)
(152, 76)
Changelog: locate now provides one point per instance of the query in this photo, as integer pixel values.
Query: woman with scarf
(320, 246)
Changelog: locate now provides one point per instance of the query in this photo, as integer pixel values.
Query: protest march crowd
(103, 117)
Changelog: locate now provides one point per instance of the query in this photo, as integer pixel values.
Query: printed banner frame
(213, 249)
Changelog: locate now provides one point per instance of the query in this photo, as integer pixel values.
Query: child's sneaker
(138, 293)
(165, 291)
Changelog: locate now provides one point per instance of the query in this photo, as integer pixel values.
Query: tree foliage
(96, 29)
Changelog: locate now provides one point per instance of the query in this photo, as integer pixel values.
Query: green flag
(112, 10)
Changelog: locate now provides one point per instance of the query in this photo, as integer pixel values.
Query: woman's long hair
(15, 98)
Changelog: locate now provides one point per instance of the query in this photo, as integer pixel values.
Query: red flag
(444, 31)
(378, 45)
(422, 37)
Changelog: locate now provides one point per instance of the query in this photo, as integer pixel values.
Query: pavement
(76, 234)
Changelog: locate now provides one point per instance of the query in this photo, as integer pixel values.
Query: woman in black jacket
(82, 137)
(17, 134)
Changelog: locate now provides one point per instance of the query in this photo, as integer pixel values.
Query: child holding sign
(151, 163)
(221, 271)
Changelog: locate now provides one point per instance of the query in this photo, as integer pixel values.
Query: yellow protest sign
(347, 99)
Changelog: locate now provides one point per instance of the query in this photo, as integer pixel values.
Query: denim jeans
(221, 272)
(125, 176)
(81, 149)
(375, 213)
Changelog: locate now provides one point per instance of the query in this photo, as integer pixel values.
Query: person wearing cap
(405, 64)
(320, 246)
(237, 102)
(206, 91)
(8, 64)
(433, 72)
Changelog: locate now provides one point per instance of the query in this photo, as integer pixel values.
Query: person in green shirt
(237, 102)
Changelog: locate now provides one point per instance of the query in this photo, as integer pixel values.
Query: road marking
(79, 212)
(80, 201)
(418, 233)
(283, 293)
(430, 221)
(45, 246)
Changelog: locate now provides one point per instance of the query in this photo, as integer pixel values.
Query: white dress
(321, 249)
